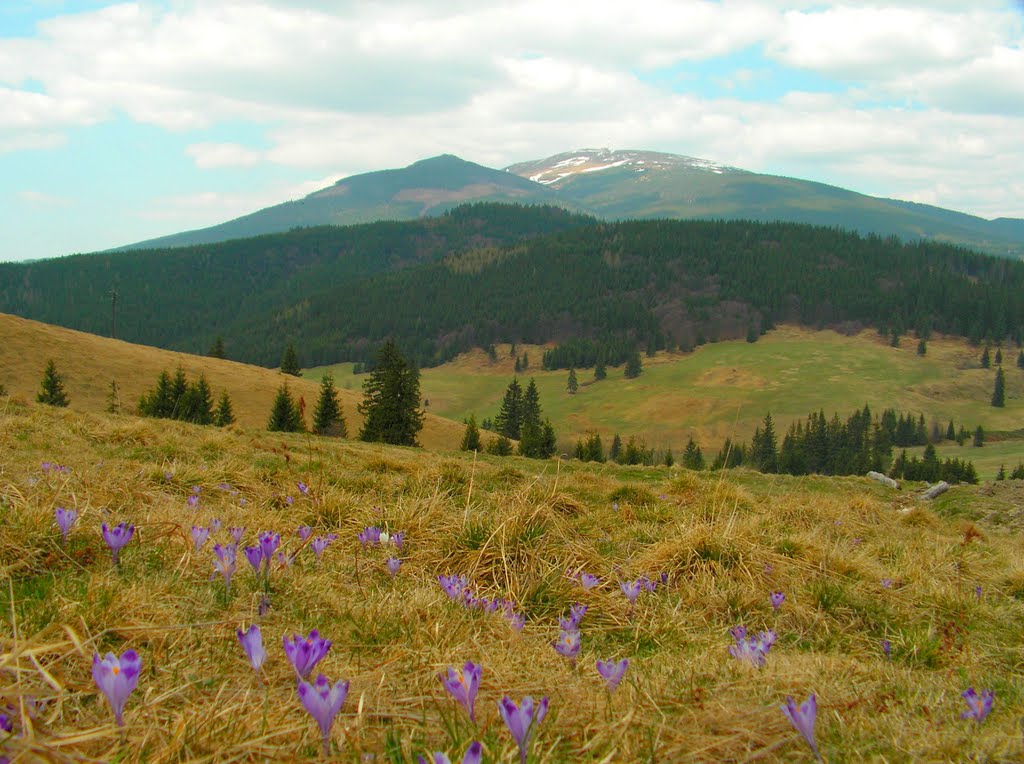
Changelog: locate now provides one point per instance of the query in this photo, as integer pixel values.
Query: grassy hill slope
(724, 389)
(89, 364)
(857, 563)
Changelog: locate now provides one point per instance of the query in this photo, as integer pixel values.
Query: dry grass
(89, 363)
(514, 527)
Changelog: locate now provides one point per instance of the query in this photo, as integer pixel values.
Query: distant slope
(646, 184)
(90, 363)
(427, 187)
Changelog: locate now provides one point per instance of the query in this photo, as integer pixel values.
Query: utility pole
(113, 313)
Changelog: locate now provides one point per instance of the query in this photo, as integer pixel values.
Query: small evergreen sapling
(999, 390)
(217, 349)
(290, 362)
(225, 414)
(471, 437)
(284, 415)
(51, 391)
(328, 417)
(391, 400)
(573, 384)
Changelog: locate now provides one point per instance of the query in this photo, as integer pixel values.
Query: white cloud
(211, 155)
(43, 199)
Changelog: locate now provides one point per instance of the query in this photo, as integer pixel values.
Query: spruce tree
(179, 386)
(391, 400)
(328, 417)
(51, 391)
(922, 347)
(217, 349)
(196, 405)
(531, 404)
(509, 421)
(284, 415)
(986, 360)
(979, 437)
(157, 402)
(1001, 475)
(573, 385)
(669, 458)
(693, 458)
(600, 371)
(1020, 360)
(224, 415)
(764, 447)
(999, 356)
(615, 451)
(634, 366)
(999, 391)
(594, 448)
(950, 431)
(290, 361)
(471, 437)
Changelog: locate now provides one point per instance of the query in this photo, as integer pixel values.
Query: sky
(126, 121)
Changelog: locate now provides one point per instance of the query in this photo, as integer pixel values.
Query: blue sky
(125, 121)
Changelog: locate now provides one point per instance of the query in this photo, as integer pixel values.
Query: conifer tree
(979, 437)
(179, 386)
(500, 446)
(594, 448)
(999, 356)
(531, 404)
(471, 437)
(225, 415)
(986, 359)
(999, 391)
(615, 451)
(328, 417)
(217, 349)
(51, 391)
(1020, 360)
(113, 398)
(509, 421)
(669, 458)
(693, 458)
(196, 405)
(391, 400)
(600, 371)
(518, 365)
(573, 385)
(290, 361)
(634, 366)
(158, 401)
(950, 431)
(922, 347)
(764, 449)
(284, 415)
(526, 361)
(1001, 475)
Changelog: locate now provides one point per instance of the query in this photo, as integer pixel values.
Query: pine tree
(179, 386)
(573, 385)
(509, 421)
(526, 361)
(922, 347)
(224, 415)
(999, 356)
(51, 391)
(950, 431)
(764, 450)
(518, 365)
(979, 437)
(284, 415)
(615, 451)
(1001, 475)
(634, 366)
(196, 405)
(601, 372)
(594, 450)
(159, 401)
(391, 400)
(693, 459)
(290, 362)
(669, 458)
(471, 437)
(986, 360)
(999, 391)
(328, 417)
(217, 349)
(1020, 360)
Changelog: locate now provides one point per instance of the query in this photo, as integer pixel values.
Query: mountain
(647, 184)
(428, 187)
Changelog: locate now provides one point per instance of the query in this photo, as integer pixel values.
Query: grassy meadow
(724, 389)
(89, 364)
(858, 563)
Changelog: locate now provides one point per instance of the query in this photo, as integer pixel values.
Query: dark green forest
(501, 273)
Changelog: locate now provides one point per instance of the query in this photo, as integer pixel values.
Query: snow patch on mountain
(554, 170)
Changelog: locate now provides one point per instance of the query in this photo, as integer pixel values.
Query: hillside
(723, 390)
(428, 187)
(626, 184)
(890, 607)
(89, 364)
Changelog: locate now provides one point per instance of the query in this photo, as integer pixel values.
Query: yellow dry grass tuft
(514, 527)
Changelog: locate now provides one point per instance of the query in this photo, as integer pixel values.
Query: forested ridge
(492, 273)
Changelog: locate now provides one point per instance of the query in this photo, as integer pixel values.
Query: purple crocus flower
(303, 488)
(463, 684)
(168, 476)
(285, 560)
(289, 500)
(304, 532)
(116, 678)
(777, 598)
(568, 644)
(323, 701)
(117, 537)
(453, 585)
(369, 536)
(319, 544)
(977, 592)
(65, 519)
(886, 648)
(589, 581)
(269, 542)
(195, 490)
(753, 650)
(252, 643)
(398, 539)
(612, 672)
(193, 500)
(521, 721)
(576, 613)
(305, 653)
(6, 725)
(647, 584)
(225, 562)
(978, 706)
(254, 555)
(632, 590)
(473, 756)
(886, 583)
(802, 717)
(215, 524)
(393, 564)
(516, 620)
(199, 536)
(236, 534)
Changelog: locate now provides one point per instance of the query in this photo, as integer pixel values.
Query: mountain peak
(560, 168)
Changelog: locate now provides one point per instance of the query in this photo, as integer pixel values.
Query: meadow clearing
(857, 564)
